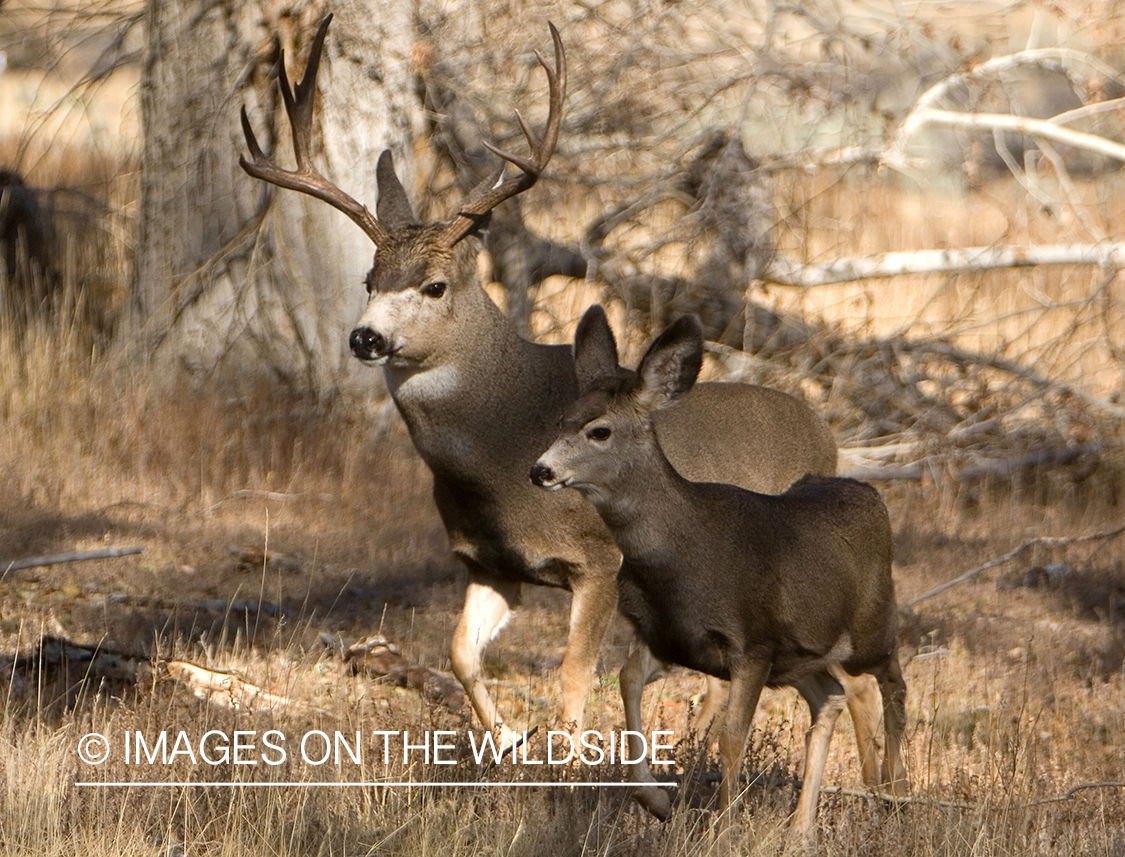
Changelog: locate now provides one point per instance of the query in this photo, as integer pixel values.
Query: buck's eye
(433, 290)
(598, 433)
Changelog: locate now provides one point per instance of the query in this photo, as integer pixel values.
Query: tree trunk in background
(233, 274)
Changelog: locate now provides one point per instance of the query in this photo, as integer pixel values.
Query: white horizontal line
(387, 784)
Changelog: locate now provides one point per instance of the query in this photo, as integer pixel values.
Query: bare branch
(1048, 541)
(77, 556)
(1044, 57)
(785, 271)
(1045, 128)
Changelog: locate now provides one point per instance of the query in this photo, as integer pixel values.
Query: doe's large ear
(595, 349)
(393, 208)
(671, 364)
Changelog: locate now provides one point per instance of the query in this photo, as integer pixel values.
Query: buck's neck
(484, 391)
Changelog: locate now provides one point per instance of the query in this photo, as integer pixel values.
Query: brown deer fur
(792, 589)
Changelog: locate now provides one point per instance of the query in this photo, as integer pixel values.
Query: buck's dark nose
(367, 344)
(541, 473)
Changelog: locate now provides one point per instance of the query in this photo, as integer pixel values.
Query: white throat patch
(429, 385)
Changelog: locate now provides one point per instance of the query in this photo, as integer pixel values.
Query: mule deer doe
(480, 403)
(793, 589)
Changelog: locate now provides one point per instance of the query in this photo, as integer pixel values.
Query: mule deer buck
(792, 589)
(480, 403)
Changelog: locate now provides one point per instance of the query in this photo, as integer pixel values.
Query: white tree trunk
(231, 270)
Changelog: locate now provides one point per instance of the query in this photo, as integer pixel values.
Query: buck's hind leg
(488, 603)
(640, 668)
(864, 705)
(893, 689)
(714, 698)
(592, 607)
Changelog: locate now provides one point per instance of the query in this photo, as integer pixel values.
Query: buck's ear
(671, 364)
(595, 349)
(393, 208)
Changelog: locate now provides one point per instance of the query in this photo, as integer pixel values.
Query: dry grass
(1017, 697)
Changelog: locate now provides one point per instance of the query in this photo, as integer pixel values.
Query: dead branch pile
(909, 409)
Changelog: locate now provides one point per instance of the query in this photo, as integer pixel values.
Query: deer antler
(491, 192)
(306, 178)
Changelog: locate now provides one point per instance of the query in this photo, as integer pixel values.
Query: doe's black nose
(541, 473)
(367, 344)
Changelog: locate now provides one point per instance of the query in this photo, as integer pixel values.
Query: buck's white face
(419, 296)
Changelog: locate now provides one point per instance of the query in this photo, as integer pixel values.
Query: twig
(1050, 541)
(264, 495)
(229, 690)
(78, 556)
(241, 605)
(856, 467)
(1070, 795)
(895, 799)
(957, 804)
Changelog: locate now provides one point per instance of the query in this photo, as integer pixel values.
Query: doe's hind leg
(824, 694)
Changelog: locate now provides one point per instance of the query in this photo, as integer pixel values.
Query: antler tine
(491, 192)
(299, 108)
(299, 104)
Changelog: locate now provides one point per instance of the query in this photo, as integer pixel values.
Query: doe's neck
(648, 503)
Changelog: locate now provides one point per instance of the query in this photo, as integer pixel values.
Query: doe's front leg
(746, 683)
(639, 669)
(825, 697)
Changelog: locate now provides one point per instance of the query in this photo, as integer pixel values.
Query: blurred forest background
(780, 170)
(906, 212)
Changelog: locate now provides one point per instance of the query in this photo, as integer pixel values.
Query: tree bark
(232, 273)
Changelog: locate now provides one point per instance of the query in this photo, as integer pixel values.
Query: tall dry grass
(996, 741)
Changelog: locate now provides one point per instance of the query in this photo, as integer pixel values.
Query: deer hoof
(655, 800)
(511, 740)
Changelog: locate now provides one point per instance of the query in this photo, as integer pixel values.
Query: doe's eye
(598, 433)
(433, 290)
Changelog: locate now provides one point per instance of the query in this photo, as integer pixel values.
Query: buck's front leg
(639, 669)
(488, 603)
(593, 604)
